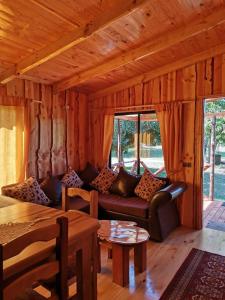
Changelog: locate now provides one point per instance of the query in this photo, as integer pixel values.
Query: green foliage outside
(213, 107)
(128, 130)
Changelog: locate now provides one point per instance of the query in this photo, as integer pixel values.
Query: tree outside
(214, 107)
(214, 126)
(126, 135)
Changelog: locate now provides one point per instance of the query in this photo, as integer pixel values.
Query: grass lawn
(156, 152)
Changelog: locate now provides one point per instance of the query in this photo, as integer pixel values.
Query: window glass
(137, 144)
(124, 147)
(150, 143)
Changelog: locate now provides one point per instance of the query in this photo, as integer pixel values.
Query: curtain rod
(36, 101)
(145, 106)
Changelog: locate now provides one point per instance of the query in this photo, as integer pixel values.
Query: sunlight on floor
(206, 203)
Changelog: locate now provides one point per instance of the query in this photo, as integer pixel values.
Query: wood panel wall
(58, 126)
(190, 85)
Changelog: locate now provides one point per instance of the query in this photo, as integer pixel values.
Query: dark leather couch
(159, 216)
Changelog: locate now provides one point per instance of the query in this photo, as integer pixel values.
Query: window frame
(139, 113)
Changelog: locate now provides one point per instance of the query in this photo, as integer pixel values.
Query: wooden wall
(58, 127)
(189, 85)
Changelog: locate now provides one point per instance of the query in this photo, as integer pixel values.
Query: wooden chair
(56, 265)
(91, 197)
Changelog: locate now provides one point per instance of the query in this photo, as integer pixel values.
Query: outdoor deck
(214, 214)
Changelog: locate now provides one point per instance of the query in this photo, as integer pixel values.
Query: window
(136, 143)
(11, 144)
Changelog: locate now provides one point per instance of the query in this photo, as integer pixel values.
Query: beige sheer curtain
(12, 154)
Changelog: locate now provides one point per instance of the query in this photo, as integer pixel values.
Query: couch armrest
(175, 189)
(166, 194)
(160, 198)
(163, 214)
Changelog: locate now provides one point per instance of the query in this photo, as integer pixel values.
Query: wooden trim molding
(151, 47)
(69, 40)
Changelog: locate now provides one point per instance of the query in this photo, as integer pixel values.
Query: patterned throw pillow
(88, 174)
(29, 191)
(71, 179)
(104, 180)
(148, 185)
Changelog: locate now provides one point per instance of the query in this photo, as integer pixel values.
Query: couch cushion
(52, 188)
(124, 184)
(88, 174)
(29, 190)
(71, 179)
(131, 206)
(148, 185)
(104, 180)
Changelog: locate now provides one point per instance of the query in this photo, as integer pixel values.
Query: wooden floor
(163, 261)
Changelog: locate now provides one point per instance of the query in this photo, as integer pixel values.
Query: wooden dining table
(82, 243)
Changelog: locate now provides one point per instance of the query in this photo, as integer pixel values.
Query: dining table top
(80, 226)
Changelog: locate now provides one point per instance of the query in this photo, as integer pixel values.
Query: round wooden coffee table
(121, 236)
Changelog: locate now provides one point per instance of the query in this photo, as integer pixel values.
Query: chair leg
(110, 253)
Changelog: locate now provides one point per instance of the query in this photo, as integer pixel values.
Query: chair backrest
(89, 196)
(56, 265)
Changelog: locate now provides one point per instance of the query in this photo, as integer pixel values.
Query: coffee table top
(122, 232)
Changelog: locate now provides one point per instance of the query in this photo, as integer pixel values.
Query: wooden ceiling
(98, 43)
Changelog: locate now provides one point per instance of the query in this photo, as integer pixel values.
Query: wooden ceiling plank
(182, 63)
(54, 13)
(120, 9)
(154, 46)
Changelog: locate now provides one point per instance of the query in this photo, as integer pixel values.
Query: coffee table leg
(140, 257)
(120, 264)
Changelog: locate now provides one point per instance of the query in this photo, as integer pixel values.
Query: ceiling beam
(182, 63)
(163, 42)
(116, 11)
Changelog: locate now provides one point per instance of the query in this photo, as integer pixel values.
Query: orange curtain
(170, 120)
(12, 158)
(102, 133)
(27, 139)
(107, 137)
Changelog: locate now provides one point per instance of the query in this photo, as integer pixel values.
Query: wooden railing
(116, 166)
